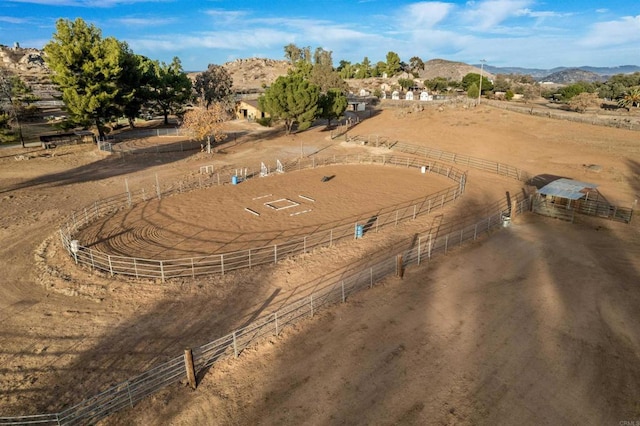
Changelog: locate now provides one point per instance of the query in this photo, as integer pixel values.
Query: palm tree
(631, 98)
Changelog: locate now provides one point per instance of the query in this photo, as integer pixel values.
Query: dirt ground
(537, 324)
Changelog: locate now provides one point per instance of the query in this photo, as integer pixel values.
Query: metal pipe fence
(434, 154)
(326, 235)
(429, 243)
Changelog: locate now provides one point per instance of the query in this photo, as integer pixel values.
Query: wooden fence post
(235, 345)
(189, 367)
(399, 269)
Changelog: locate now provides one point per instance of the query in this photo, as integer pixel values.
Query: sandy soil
(537, 324)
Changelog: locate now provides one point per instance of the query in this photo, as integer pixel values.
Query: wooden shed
(249, 109)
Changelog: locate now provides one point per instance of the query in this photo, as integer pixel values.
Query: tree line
(101, 78)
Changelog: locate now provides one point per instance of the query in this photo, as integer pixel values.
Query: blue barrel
(359, 231)
(234, 180)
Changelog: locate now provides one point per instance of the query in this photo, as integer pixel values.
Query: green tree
(213, 85)
(473, 78)
(292, 99)
(323, 57)
(568, 92)
(326, 78)
(472, 90)
(416, 65)
(405, 83)
(508, 95)
(293, 53)
(13, 92)
(134, 84)
(170, 87)
(364, 69)
(379, 69)
(87, 69)
(332, 104)
(631, 98)
(437, 84)
(392, 64)
(346, 70)
(321, 73)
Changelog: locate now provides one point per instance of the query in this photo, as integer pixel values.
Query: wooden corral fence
(428, 244)
(226, 262)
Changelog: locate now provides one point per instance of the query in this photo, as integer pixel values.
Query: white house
(425, 96)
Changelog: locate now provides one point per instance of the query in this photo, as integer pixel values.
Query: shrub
(509, 95)
(265, 121)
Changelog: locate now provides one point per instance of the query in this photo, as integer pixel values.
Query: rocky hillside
(449, 69)
(29, 64)
(23, 60)
(573, 75)
(255, 73)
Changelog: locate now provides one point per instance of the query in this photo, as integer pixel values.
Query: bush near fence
(226, 262)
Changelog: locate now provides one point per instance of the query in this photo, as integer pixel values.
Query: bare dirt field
(537, 324)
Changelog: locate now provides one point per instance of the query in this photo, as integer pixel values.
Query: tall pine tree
(88, 69)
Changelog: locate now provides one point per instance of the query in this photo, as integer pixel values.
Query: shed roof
(251, 102)
(567, 188)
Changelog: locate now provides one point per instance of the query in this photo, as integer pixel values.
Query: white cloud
(625, 30)
(426, 14)
(226, 17)
(541, 13)
(490, 13)
(13, 20)
(143, 22)
(86, 3)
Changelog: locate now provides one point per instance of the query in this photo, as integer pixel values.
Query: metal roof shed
(567, 188)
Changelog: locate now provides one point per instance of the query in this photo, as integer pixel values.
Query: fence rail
(597, 208)
(223, 263)
(439, 155)
(428, 244)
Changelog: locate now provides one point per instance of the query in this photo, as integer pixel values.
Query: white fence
(328, 235)
(430, 243)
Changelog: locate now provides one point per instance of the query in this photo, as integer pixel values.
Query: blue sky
(526, 33)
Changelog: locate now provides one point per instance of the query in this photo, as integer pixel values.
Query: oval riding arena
(241, 220)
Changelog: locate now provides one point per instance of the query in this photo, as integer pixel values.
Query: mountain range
(559, 74)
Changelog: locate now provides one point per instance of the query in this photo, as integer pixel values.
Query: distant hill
(449, 69)
(254, 73)
(541, 74)
(573, 75)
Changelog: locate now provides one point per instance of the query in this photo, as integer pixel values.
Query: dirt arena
(280, 207)
(536, 325)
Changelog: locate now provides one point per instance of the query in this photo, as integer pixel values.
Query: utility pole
(482, 62)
